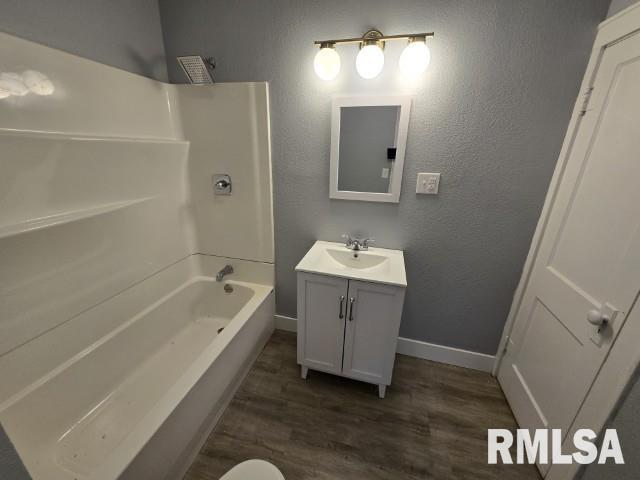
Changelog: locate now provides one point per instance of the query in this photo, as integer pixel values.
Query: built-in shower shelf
(61, 218)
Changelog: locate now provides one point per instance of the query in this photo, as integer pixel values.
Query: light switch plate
(428, 183)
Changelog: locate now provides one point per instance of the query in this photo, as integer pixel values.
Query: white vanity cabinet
(322, 303)
(348, 326)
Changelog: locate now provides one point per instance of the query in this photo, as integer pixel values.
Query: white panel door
(371, 332)
(588, 263)
(321, 312)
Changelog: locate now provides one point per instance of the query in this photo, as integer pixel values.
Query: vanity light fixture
(327, 62)
(415, 57)
(370, 60)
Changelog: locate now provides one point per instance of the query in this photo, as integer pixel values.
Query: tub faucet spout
(228, 269)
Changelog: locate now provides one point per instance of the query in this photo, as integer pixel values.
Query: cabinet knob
(340, 314)
(351, 302)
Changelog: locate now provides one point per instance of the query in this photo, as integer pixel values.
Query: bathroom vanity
(349, 310)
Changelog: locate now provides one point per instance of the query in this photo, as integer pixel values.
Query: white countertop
(378, 265)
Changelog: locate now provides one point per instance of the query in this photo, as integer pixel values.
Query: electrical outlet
(428, 183)
(385, 173)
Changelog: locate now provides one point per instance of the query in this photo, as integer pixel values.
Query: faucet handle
(348, 240)
(367, 241)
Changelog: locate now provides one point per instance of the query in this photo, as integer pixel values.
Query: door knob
(595, 317)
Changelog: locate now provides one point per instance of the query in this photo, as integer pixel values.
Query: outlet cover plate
(428, 183)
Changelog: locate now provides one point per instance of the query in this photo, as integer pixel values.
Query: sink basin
(361, 259)
(379, 265)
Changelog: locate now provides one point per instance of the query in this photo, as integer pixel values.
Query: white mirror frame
(402, 101)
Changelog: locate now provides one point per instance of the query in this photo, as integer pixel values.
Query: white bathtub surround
(229, 123)
(81, 219)
(89, 98)
(112, 361)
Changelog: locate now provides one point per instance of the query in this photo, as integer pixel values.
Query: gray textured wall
(619, 5)
(490, 114)
(122, 33)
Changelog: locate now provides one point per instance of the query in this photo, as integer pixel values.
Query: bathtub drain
(228, 288)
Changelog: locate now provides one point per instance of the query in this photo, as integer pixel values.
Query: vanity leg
(303, 371)
(382, 390)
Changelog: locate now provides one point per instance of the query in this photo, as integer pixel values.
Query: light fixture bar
(404, 36)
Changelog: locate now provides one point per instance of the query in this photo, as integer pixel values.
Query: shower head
(195, 68)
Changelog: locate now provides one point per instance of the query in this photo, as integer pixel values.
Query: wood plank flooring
(432, 424)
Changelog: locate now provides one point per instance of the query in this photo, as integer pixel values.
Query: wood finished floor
(432, 424)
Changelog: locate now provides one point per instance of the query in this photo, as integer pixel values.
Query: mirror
(368, 138)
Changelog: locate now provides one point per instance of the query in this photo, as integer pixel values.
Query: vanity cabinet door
(321, 321)
(371, 332)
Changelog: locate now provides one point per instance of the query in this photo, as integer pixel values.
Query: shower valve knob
(222, 184)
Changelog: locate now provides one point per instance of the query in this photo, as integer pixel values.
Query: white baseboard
(419, 349)
(443, 354)
(288, 324)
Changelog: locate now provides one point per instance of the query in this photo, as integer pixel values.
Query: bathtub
(140, 379)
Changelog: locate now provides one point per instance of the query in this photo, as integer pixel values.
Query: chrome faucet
(356, 244)
(228, 269)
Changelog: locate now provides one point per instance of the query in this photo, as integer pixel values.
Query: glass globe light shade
(415, 58)
(370, 61)
(327, 63)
